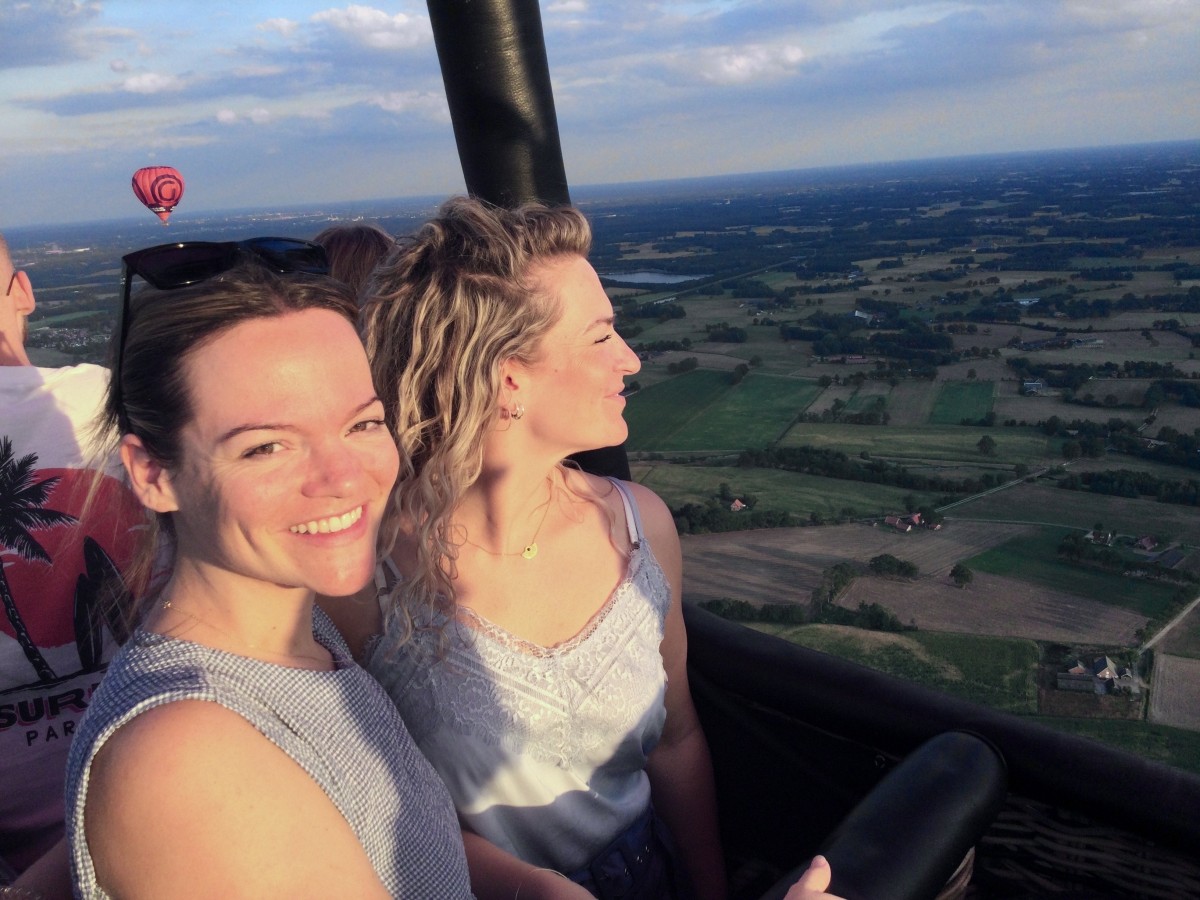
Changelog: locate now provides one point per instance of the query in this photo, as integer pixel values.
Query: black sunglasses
(168, 267)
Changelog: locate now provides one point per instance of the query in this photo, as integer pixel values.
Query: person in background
(59, 565)
(234, 749)
(527, 621)
(354, 251)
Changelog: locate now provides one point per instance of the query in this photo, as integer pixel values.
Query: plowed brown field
(1175, 698)
(785, 564)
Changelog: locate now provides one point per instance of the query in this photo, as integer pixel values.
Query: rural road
(1175, 621)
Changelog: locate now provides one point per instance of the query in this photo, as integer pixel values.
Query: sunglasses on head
(169, 267)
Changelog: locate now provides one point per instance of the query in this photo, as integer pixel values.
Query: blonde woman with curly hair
(528, 622)
(527, 618)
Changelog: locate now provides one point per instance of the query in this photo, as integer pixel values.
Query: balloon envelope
(160, 188)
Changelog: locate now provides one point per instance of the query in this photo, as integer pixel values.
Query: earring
(518, 412)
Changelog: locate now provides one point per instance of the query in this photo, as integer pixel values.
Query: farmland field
(792, 492)
(998, 672)
(941, 442)
(702, 410)
(1175, 698)
(656, 413)
(1184, 638)
(785, 564)
(752, 413)
(911, 402)
(1044, 503)
(1173, 746)
(958, 400)
(1033, 558)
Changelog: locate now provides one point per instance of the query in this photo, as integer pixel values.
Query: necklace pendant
(531, 551)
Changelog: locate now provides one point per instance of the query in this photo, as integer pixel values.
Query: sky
(265, 103)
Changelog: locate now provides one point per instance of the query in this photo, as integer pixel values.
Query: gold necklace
(255, 650)
(531, 549)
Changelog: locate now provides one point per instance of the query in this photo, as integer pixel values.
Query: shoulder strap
(633, 519)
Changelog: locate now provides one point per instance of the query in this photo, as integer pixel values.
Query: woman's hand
(813, 882)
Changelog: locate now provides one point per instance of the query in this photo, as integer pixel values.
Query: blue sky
(266, 103)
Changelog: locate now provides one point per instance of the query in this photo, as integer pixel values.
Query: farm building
(1103, 676)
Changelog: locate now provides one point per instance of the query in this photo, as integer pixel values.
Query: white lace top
(543, 748)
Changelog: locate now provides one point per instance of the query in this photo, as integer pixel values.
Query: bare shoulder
(191, 794)
(656, 517)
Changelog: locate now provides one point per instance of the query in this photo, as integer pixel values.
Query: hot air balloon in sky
(160, 188)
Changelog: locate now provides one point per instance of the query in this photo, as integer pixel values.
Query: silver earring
(518, 411)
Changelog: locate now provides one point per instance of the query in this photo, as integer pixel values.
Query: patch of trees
(792, 331)
(627, 331)
(663, 346)
(1042, 257)
(1058, 375)
(825, 287)
(715, 517)
(684, 365)
(1182, 392)
(961, 575)
(1127, 483)
(836, 464)
(870, 616)
(876, 414)
(752, 287)
(1105, 273)
(660, 311)
(893, 567)
(1076, 548)
(726, 333)
(823, 606)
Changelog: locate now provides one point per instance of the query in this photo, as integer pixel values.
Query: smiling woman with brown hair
(234, 748)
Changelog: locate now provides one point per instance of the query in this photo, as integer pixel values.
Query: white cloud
(422, 102)
(1132, 13)
(257, 116)
(374, 28)
(119, 66)
(752, 62)
(258, 71)
(152, 83)
(285, 27)
(567, 7)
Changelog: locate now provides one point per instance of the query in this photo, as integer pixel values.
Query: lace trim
(568, 705)
(478, 623)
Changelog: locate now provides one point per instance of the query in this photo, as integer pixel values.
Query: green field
(776, 489)
(958, 400)
(656, 413)
(1034, 558)
(952, 443)
(1044, 503)
(701, 410)
(997, 672)
(1173, 746)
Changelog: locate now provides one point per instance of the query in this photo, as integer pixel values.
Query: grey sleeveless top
(543, 749)
(339, 726)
